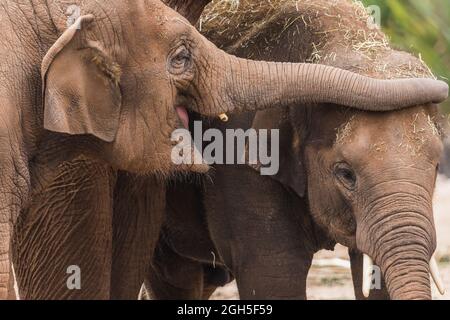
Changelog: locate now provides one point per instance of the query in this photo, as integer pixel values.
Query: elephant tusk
(367, 275)
(434, 270)
(223, 117)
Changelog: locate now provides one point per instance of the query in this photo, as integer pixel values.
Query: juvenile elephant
(91, 91)
(361, 179)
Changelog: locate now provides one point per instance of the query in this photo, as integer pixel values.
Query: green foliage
(421, 27)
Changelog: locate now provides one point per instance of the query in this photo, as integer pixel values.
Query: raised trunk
(397, 231)
(244, 85)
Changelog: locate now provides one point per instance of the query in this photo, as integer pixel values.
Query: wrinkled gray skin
(361, 179)
(445, 162)
(84, 106)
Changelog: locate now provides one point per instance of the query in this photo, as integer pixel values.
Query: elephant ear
(190, 9)
(80, 84)
(291, 171)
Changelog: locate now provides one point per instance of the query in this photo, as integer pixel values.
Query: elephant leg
(273, 275)
(185, 284)
(356, 260)
(214, 277)
(63, 241)
(14, 192)
(5, 261)
(139, 204)
(6, 274)
(262, 232)
(173, 277)
(181, 268)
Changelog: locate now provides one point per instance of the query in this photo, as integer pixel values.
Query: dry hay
(341, 33)
(416, 130)
(337, 33)
(344, 132)
(417, 135)
(237, 22)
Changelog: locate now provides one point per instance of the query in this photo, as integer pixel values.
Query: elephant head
(369, 180)
(368, 177)
(127, 74)
(377, 175)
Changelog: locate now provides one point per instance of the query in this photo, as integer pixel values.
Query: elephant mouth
(183, 115)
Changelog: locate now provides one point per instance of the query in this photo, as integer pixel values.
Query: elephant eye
(180, 60)
(345, 175)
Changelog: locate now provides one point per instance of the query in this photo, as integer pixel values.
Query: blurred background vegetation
(421, 27)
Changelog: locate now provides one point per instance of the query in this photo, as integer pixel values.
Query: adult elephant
(361, 179)
(83, 105)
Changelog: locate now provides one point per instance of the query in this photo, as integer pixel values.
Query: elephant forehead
(412, 132)
(146, 17)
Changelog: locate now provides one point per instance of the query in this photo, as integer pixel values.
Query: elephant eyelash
(110, 68)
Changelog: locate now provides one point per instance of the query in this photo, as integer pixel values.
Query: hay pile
(333, 32)
(338, 32)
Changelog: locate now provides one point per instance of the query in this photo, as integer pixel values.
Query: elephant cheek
(143, 147)
(138, 150)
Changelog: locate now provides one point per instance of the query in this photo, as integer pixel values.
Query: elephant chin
(195, 168)
(192, 158)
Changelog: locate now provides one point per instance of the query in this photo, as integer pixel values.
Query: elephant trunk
(14, 193)
(246, 85)
(8, 216)
(398, 232)
(5, 261)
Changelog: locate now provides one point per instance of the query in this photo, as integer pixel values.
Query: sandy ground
(334, 283)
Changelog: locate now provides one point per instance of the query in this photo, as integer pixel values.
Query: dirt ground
(334, 283)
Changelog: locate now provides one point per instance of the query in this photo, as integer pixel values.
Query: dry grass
(339, 30)
(344, 132)
(418, 134)
(338, 33)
